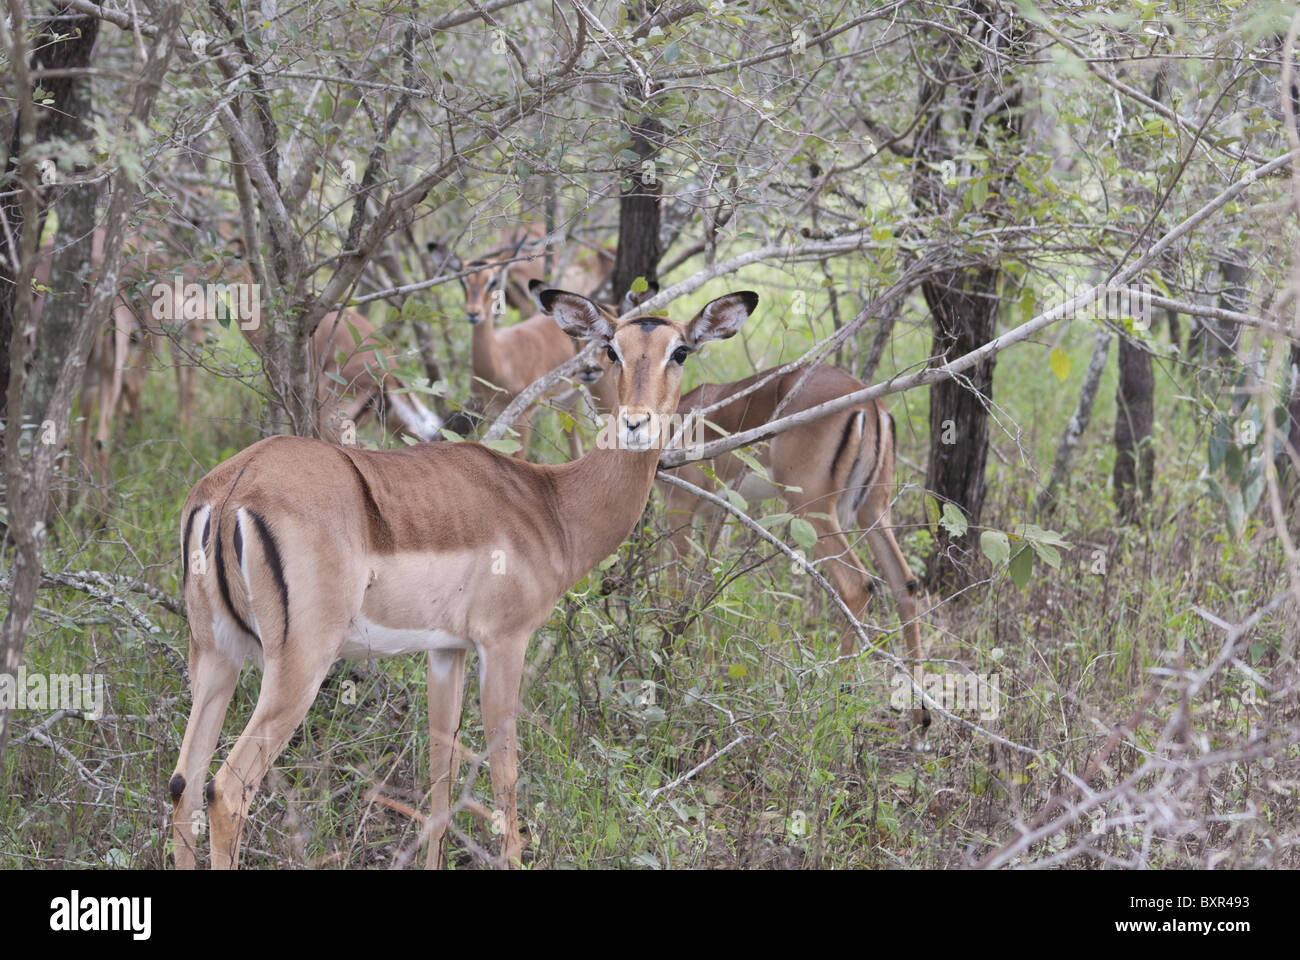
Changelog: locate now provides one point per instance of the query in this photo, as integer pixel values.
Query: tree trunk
(638, 213)
(1134, 418)
(61, 120)
(639, 201)
(963, 311)
(29, 466)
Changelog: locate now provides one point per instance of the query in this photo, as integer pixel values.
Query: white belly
(370, 640)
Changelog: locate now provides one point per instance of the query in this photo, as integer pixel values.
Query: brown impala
(839, 471)
(299, 552)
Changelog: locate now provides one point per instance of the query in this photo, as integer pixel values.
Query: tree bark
(963, 302)
(963, 310)
(63, 119)
(1134, 419)
(639, 202)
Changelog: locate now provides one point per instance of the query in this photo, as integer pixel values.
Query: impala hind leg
(212, 682)
(289, 686)
(874, 517)
(838, 560)
(446, 686)
(499, 682)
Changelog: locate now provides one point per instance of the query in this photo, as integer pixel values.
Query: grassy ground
(802, 761)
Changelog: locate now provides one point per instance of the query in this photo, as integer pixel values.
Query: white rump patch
(233, 643)
(240, 516)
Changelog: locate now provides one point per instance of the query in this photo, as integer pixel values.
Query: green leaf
(737, 671)
(953, 520)
(1047, 553)
(1028, 304)
(1233, 463)
(803, 533)
(749, 460)
(736, 500)
(996, 546)
(506, 445)
(931, 512)
(1021, 565)
(640, 285)
(1059, 361)
(1236, 513)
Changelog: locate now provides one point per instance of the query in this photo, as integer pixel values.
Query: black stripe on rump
(844, 441)
(879, 448)
(272, 551)
(185, 547)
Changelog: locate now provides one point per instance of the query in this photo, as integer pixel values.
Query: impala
(122, 354)
(299, 552)
(838, 472)
(355, 377)
(505, 360)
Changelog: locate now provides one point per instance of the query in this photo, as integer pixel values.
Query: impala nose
(637, 431)
(474, 318)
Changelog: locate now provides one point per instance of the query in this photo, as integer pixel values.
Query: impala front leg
(446, 684)
(501, 669)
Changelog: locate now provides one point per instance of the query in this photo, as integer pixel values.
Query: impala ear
(442, 257)
(721, 318)
(535, 288)
(633, 300)
(576, 315)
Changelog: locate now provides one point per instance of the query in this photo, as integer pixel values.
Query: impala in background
(838, 472)
(505, 360)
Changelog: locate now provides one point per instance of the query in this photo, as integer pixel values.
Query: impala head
(645, 354)
(595, 369)
(481, 285)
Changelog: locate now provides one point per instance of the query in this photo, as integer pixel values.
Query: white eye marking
(672, 348)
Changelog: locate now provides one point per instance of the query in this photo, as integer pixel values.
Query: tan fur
(805, 458)
(436, 537)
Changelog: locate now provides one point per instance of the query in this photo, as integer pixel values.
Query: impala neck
(484, 353)
(605, 493)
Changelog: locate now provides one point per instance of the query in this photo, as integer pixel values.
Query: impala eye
(613, 357)
(680, 355)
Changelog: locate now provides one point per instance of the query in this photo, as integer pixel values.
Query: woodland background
(911, 178)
